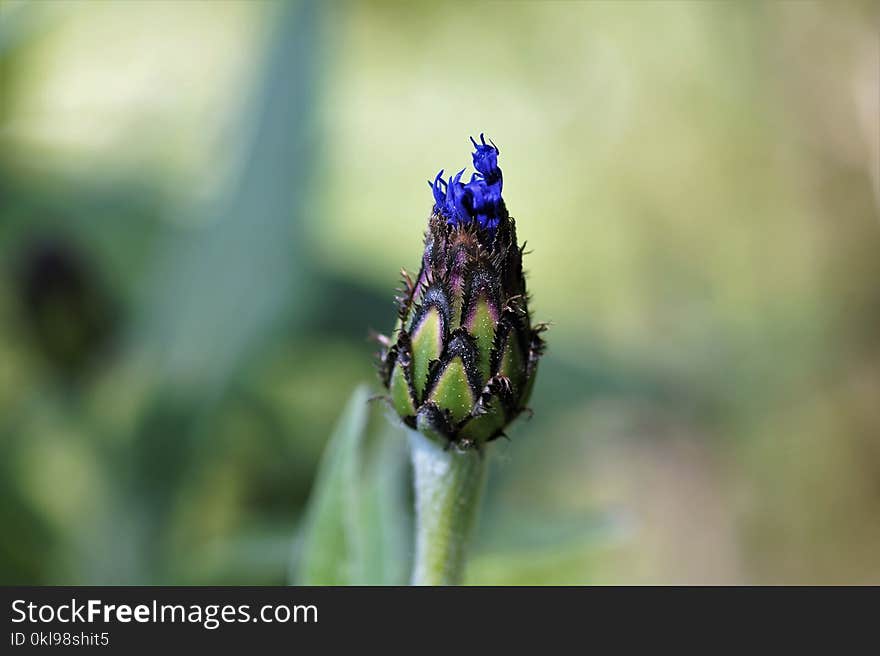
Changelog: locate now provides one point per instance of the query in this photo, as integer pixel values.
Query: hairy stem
(448, 487)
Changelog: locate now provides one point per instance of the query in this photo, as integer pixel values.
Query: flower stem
(448, 487)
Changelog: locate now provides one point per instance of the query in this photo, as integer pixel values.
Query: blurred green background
(204, 207)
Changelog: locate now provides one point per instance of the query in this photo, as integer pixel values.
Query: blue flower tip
(478, 200)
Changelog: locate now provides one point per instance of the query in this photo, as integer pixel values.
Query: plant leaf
(383, 509)
(329, 549)
(356, 520)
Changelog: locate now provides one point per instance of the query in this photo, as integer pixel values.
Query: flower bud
(461, 362)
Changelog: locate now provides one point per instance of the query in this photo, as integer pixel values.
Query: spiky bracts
(461, 362)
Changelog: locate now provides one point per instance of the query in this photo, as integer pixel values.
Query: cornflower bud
(461, 362)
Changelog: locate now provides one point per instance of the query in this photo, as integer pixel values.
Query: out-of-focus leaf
(356, 520)
(223, 289)
(219, 291)
(383, 514)
(520, 528)
(19, 21)
(329, 555)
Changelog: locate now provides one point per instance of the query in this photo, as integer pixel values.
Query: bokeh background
(204, 207)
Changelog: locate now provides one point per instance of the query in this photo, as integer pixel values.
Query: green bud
(461, 362)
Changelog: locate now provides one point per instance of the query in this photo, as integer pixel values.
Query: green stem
(448, 486)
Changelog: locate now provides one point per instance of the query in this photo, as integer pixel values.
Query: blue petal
(439, 190)
(477, 200)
